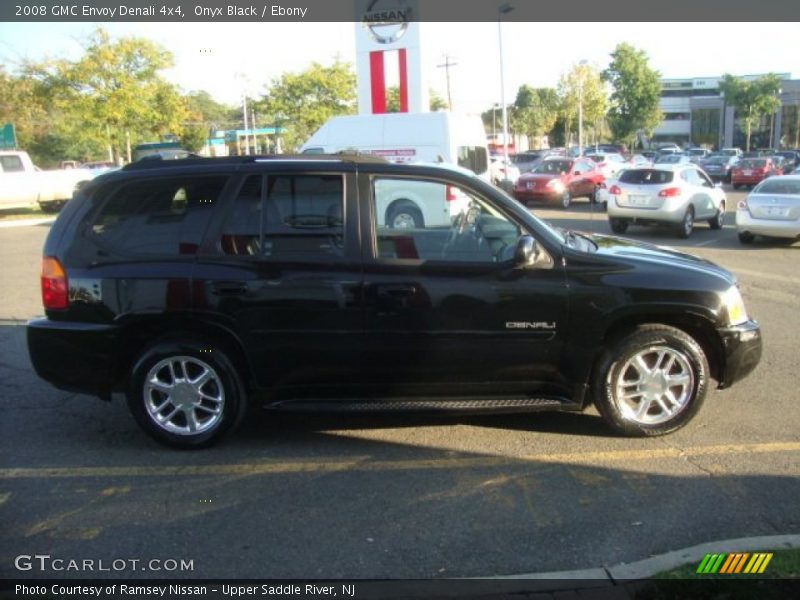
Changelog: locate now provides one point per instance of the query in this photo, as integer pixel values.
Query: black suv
(199, 286)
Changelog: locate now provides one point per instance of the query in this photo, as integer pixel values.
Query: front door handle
(228, 288)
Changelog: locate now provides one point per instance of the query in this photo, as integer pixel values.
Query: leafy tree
(194, 137)
(215, 115)
(534, 112)
(752, 99)
(635, 96)
(303, 102)
(435, 101)
(583, 86)
(112, 96)
(23, 105)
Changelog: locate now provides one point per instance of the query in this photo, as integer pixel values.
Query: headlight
(556, 185)
(734, 305)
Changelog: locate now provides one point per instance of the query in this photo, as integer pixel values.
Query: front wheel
(186, 393)
(651, 381)
(687, 224)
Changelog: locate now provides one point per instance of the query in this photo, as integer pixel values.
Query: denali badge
(529, 325)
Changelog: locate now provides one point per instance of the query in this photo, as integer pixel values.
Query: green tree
(215, 115)
(303, 102)
(583, 86)
(534, 112)
(752, 99)
(635, 96)
(194, 137)
(113, 95)
(435, 101)
(22, 103)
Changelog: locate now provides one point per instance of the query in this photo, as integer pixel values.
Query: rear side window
(646, 176)
(293, 215)
(473, 158)
(752, 163)
(11, 164)
(164, 217)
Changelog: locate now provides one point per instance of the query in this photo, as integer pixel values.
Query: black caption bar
(712, 11)
(464, 589)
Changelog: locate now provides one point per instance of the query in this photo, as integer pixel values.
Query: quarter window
(11, 163)
(166, 217)
(473, 158)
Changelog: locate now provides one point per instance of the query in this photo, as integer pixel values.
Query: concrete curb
(25, 222)
(664, 562)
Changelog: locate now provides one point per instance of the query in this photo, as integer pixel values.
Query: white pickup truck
(24, 185)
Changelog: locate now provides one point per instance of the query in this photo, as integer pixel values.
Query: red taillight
(615, 190)
(451, 193)
(762, 170)
(670, 192)
(54, 284)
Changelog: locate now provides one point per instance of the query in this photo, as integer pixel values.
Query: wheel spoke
(211, 411)
(641, 366)
(161, 386)
(643, 408)
(202, 379)
(191, 418)
(172, 372)
(168, 418)
(163, 405)
(679, 379)
(215, 399)
(184, 370)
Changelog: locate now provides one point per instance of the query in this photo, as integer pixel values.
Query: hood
(539, 176)
(659, 255)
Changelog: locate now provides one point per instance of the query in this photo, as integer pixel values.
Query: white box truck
(436, 137)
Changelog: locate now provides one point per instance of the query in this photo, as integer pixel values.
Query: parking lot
(410, 496)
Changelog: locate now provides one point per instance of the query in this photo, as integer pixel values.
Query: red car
(559, 180)
(750, 171)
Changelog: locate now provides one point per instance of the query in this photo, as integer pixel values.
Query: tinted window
(299, 214)
(158, 216)
(646, 176)
(752, 164)
(554, 166)
(779, 185)
(473, 158)
(11, 163)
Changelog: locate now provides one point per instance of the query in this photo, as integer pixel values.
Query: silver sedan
(772, 209)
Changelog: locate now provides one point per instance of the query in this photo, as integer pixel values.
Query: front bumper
(741, 346)
(78, 357)
(549, 196)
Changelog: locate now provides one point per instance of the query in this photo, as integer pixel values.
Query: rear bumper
(783, 228)
(742, 351)
(79, 357)
(747, 180)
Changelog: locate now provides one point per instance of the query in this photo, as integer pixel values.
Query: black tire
(405, 213)
(593, 195)
(618, 225)
(183, 360)
(745, 237)
(565, 200)
(616, 364)
(52, 207)
(718, 220)
(687, 224)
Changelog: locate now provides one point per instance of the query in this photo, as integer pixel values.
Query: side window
(423, 220)
(11, 163)
(164, 217)
(473, 158)
(298, 215)
(704, 180)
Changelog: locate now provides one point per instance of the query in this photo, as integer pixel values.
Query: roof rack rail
(156, 162)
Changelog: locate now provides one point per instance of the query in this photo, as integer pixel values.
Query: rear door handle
(228, 288)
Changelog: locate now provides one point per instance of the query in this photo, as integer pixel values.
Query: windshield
(779, 185)
(646, 176)
(554, 166)
(670, 159)
(717, 160)
(752, 164)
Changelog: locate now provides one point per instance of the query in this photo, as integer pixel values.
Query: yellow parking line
(366, 463)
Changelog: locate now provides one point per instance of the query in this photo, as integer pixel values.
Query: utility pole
(447, 64)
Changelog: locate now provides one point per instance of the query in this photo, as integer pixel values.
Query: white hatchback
(772, 209)
(675, 195)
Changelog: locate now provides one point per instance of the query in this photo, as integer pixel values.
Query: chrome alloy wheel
(184, 395)
(654, 385)
(403, 220)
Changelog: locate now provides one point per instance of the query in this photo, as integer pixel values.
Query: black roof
(157, 162)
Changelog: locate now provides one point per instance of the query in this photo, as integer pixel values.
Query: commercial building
(695, 112)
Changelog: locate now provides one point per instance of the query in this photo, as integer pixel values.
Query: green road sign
(8, 137)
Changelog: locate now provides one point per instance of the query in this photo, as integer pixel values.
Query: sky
(227, 59)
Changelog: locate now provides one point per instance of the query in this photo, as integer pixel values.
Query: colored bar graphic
(736, 562)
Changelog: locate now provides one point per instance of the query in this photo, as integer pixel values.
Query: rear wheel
(745, 237)
(405, 216)
(618, 225)
(651, 381)
(186, 393)
(687, 224)
(718, 220)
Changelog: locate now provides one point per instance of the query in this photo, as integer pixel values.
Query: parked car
(719, 166)
(672, 195)
(608, 162)
(201, 286)
(697, 154)
(750, 171)
(772, 209)
(731, 152)
(649, 155)
(559, 180)
(672, 159)
(525, 161)
(638, 160)
(501, 170)
(668, 148)
(779, 162)
(791, 159)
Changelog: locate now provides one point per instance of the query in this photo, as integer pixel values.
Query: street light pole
(503, 9)
(580, 106)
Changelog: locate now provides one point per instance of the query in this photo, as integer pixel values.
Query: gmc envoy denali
(200, 286)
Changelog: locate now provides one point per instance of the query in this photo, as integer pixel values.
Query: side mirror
(526, 251)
